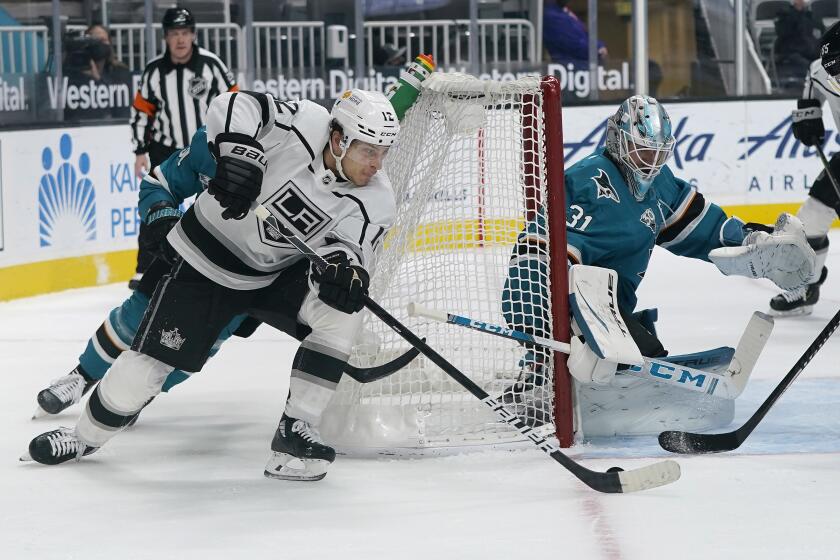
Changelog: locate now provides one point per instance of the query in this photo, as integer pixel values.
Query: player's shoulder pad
(595, 181)
(669, 188)
(816, 71)
(301, 121)
(378, 204)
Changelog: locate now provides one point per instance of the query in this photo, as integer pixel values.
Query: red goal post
(476, 161)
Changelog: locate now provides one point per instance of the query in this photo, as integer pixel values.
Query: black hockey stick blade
(615, 481)
(375, 373)
(688, 442)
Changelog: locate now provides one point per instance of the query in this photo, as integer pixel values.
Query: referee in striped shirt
(175, 91)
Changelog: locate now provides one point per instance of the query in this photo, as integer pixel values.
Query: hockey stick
(828, 172)
(375, 373)
(613, 481)
(688, 442)
(726, 386)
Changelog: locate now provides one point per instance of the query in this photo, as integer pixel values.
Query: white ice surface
(187, 481)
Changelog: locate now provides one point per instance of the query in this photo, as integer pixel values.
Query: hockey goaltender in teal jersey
(607, 226)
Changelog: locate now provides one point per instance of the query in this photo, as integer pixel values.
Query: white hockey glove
(585, 365)
(783, 256)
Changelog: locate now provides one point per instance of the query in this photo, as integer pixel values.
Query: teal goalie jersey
(606, 226)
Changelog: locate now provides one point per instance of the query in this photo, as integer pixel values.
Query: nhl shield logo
(649, 220)
(198, 86)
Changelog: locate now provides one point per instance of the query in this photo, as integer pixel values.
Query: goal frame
(564, 413)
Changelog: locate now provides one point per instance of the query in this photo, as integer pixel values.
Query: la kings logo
(295, 209)
(172, 339)
(649, 220)
(604, 186)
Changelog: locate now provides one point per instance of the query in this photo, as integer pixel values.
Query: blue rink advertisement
(67, 192)
(735, 152)
(71, 192)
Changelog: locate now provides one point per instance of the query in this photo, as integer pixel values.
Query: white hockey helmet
(366, 116)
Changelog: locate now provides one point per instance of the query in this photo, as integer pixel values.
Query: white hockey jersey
(297, 188)
(822, 87)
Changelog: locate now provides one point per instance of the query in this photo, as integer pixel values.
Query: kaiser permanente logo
(66, 197)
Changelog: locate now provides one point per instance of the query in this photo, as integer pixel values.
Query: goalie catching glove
(782, 255)
(240, 165)
(342, 285)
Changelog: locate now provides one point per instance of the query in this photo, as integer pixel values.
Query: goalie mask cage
(474, 163)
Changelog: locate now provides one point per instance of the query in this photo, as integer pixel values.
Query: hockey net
(474, 162)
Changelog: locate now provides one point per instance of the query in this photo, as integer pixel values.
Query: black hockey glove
(342, 285)
(161, 218)
(808, 126)
(240, 164)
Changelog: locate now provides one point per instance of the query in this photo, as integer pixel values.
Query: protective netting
(467, 172)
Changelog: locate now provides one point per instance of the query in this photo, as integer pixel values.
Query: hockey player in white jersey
(822, 84)
(320, 175)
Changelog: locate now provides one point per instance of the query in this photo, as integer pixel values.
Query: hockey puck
(615, 469)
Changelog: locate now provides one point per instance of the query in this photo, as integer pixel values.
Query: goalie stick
(688, 442)
(614, 481)
(727, 386)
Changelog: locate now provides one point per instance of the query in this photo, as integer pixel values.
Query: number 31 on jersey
(576, 216)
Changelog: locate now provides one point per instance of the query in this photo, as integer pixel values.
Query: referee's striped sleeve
(143, 111)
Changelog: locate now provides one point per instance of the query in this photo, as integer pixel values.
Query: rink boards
(68, 197)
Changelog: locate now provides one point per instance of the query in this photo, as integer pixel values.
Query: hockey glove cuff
(160, 219)
(240, 166)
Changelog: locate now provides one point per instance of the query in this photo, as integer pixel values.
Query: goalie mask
(639, 138)
(369, 126)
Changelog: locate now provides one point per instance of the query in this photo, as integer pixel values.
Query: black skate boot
(64, 392)
(527, 397)
(56, 447)
(298, 452)
(800, 301)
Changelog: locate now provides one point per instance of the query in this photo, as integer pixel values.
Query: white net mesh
(467, 170)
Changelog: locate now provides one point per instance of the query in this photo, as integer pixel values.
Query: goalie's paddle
(615, 480)
(671, 371)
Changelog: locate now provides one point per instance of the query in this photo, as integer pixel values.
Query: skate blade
(39, 413)
(799, 311)
(282, 466)
(26, 458)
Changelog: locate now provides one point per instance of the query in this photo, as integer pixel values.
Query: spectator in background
(798, 33)
(105, 64)
(388, 55)
(89, 58)
(565, 36)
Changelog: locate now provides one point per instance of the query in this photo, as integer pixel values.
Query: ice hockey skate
(63, 393)
(298, 452)
(56, 447)
(525, 397)
(798, 302)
